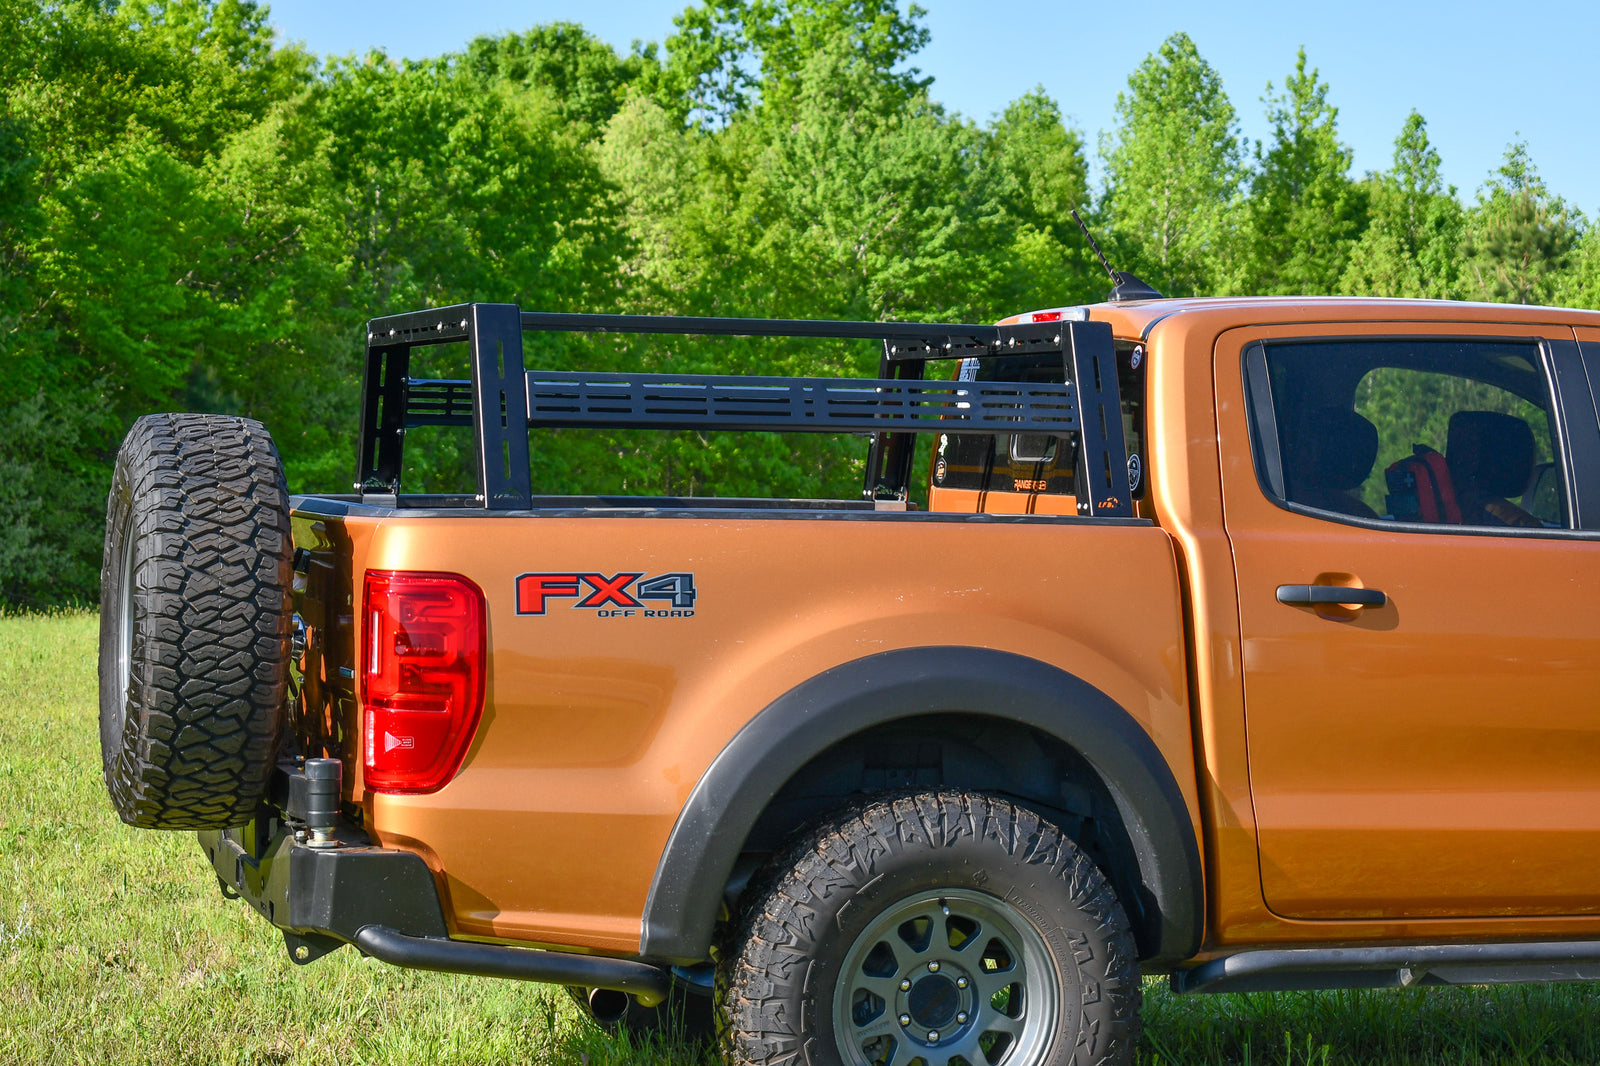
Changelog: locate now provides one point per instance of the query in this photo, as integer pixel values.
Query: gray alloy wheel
(956, 977)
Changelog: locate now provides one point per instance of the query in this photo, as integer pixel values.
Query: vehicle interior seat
(1333, 452)
(1491, 457)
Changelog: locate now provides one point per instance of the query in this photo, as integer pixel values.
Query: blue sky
(1482, 74)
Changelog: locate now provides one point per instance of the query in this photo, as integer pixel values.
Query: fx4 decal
(665, 596)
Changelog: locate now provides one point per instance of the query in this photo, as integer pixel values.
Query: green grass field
(116, 947)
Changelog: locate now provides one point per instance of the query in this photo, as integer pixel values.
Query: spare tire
(195, 614)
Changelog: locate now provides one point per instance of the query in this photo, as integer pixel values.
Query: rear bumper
(386, 903)
(327, 892)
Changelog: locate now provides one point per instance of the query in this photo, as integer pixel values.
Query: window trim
(1267, 460)
(1580, 429)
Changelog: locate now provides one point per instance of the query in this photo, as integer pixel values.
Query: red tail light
(422, 679)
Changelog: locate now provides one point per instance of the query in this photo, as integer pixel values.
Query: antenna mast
(1090, 238)
(1124, 286)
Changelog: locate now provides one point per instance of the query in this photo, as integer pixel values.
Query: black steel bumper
(329, 893)
(386, 903)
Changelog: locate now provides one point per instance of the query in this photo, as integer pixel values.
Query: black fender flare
(699, 856)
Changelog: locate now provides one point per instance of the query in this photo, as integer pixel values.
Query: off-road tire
(780, 967)
(195, 613)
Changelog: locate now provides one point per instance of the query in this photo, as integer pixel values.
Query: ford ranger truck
(1251, 642)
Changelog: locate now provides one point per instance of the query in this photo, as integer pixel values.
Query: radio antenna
(1090, 238)
(1124, 286)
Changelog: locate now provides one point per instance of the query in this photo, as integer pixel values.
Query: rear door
(1421, 660)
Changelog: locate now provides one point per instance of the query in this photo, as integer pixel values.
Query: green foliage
(1303, 213)
(190, 71)
(1410, 247)
(841, 196)
(1041, 166)
(195, 217)
(1580, 286)
(1041, 175)
(586, 81)
(52, 496)
(1173, 174)
(729, 55)
(19, 223)
(450, 193)
(1519, 237)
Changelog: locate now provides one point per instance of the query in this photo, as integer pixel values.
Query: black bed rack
(502, 400)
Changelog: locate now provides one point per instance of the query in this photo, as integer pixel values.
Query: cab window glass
(1436, 432)
(1029, 463)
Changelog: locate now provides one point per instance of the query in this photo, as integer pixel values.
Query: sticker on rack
(629, 594)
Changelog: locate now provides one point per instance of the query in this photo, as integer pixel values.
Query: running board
(1294, 969)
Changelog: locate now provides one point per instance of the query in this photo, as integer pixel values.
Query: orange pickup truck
(1255, 642)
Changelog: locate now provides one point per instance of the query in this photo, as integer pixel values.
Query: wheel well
(971, 752)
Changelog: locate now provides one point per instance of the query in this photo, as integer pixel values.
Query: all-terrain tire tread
(211, 620)
(765, 956)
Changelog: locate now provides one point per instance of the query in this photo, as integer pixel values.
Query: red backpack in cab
(1420, 489)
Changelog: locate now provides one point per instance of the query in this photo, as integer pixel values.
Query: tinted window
(1438, 432)
(1026, 462)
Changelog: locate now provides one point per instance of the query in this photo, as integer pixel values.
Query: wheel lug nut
(961, 982)
(905, 1019)
(905, 985)
(933, 967)
(961, 1018)
(933, 1036)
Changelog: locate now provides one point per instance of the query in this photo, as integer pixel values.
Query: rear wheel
(194, 621)
(950, 929)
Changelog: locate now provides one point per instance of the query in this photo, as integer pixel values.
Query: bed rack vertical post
(890, 455)
(1090, 363)
(500, 406)
(383, 417)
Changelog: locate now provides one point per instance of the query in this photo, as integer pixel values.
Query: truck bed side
(599, 723)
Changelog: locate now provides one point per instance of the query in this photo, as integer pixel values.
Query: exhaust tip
(608, 1005)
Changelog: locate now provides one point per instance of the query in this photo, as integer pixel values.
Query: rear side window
(1438, 432)
(1030, 463)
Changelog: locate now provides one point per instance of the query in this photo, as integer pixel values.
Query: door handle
(1310, 595)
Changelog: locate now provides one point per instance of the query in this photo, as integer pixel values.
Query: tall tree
(190, 71)
(1041, 176)
(582, 75)
(1040, 163)
(1519, 237)
(1411, 244)
(1580, 286)
(49, 480)
(110, 107)
(727, 56)
(1173, 172)
(1304, 212)
(839, 196)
